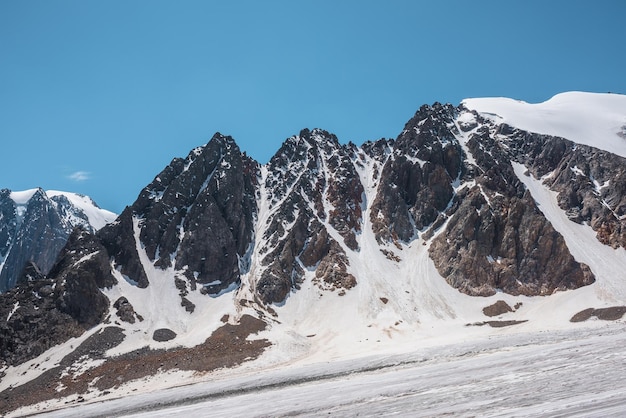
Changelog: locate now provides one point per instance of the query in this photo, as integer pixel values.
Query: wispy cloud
(79, 176)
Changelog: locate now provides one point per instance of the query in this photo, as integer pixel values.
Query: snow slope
(575, 372)
(191, 328)
(594, 119)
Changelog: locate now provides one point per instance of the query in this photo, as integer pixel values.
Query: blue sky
(96, 97)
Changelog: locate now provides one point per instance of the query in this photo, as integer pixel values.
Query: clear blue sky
(96, 97)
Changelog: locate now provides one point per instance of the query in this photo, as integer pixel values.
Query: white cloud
(79, 176)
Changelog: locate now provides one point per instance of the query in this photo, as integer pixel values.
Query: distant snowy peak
(86, 211)
(35, 225)
(96, 216)
(22, 198)
(594, 119)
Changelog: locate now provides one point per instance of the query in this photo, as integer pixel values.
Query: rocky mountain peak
(312, 198)
(417, 182)
(196, 217)
(34, 227)
(319, 138)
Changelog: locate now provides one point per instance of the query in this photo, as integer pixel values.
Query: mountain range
(493, 213)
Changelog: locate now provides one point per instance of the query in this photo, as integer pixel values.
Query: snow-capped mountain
(35, 225)
(493, 212)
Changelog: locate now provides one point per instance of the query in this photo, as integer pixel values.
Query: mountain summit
(489, 208)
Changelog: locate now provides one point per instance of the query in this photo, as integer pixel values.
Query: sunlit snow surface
(577, 372)
(22, 197)
(594, 119)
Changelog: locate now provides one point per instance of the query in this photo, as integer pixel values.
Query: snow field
(575, 372)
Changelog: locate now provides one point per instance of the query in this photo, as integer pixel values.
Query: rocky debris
(228, 346)
(65, 375)
(44, 312)
(390, 255)
(606, 314)
(96, 345)
(498, 324)
(187, 304)
(181, 285)
(125, 310)
(163, 334)
(498, 308)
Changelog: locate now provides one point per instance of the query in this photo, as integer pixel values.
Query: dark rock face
(31, 272)
(311, 183)
(512, 248)
(33, 316)
(8, 222)
(496, 238)
(34, 233)
(197, 216)
(119, 240)
(591, 183)
(416, 183)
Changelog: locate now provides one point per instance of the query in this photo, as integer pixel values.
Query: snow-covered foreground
(575, 372)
